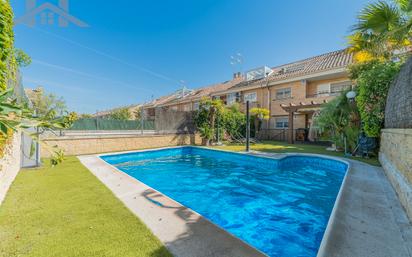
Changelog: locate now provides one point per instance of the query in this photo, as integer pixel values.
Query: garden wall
(396, 159)
(396, 139)
(10, 165)
(79, 145)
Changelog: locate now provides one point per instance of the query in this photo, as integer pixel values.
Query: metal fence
(272, 134)
(30, 150)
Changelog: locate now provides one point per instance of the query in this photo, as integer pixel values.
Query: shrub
(373, 81)
(120, 114)
(213, 115)
(234, 121)
(338, 119)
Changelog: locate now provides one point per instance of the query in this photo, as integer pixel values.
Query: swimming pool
(281, 207)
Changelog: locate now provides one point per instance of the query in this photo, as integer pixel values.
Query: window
(231, 98)
(282, 122)
(283, 93)
(323, 89)
(196, 106)
(337, 88)
(251, 97)
(186, 107)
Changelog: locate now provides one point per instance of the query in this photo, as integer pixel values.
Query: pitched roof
(196, 94)
(107, 112)
(324, 62)
(159, 101)
(321, 63)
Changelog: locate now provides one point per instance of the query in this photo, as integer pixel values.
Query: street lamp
(351, 96)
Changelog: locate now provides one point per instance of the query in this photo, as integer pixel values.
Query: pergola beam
(291, 109)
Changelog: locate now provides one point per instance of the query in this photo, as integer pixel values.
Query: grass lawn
(66, 211)
(281, 147)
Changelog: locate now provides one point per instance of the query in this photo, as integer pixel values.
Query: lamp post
(351, 95)
(247, 127)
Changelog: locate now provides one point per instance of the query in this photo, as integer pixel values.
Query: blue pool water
(281, 207)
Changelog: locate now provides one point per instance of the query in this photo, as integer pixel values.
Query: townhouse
(292, 92)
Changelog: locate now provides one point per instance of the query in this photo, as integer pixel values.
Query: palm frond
(380, 17)
(404, 5)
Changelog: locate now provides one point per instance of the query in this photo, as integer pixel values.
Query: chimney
(237, 75)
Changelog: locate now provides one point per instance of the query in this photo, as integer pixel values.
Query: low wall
(396, 159)
(10, 165)
(79, 145)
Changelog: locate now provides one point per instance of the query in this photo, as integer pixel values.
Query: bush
(213, 115)
(338, 119)
(234, 121)
(120, 114)
(373, 81)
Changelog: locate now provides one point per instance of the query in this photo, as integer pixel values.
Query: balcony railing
(325, 94)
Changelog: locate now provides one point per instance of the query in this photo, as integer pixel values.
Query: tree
(120, 114)
(259, 114)
(85, 116)
(339, 119)
(383, 29)
(205, 118)
(14, 116)
(233, 122)
(22, 58)
(47, 105)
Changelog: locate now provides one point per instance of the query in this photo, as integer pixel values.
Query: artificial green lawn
(66, 211)
(281, 147)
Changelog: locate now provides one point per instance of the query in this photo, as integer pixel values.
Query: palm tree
(383, 29)
(259, 115)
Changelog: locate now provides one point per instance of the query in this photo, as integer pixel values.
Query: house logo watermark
(49, 14)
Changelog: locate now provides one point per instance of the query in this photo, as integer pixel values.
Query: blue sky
(135, 50)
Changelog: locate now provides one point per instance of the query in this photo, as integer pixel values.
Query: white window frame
(251, 97)
(329, 86)
(196, 106)
(344, 85)
(231, 98)
(325, 91)
(282, 91)
(283, 121)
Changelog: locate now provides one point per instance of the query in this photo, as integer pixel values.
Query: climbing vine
(373, 79)
(7, 60)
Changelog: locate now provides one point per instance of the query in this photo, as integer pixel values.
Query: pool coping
(240, 244)
(210, 241)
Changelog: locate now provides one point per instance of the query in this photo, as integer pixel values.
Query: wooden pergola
(291, 109)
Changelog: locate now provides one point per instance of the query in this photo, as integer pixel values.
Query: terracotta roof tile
(199, 93)
(320, 63)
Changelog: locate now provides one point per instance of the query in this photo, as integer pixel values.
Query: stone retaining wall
(10, 165)
(396, 159)
(80, 145)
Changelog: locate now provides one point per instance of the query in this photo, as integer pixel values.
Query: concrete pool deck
(368, 219)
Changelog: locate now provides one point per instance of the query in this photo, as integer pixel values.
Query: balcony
(325, 94)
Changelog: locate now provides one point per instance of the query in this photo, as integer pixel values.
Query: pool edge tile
(183, 231)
